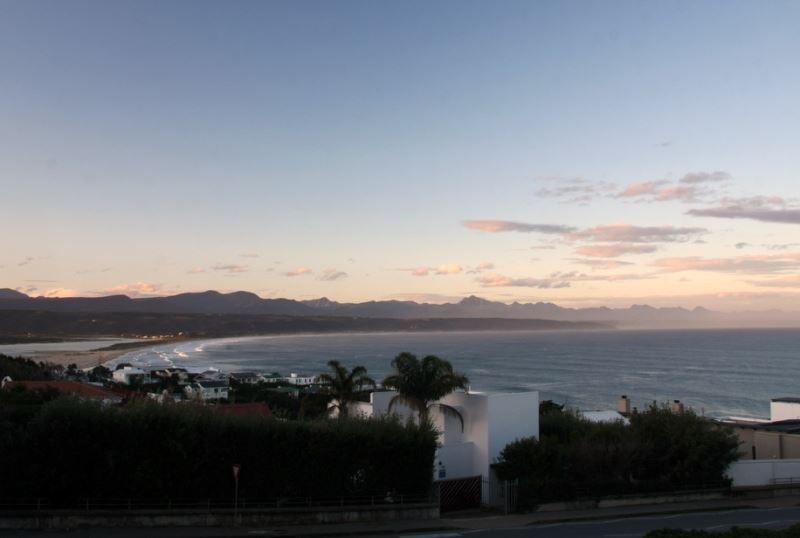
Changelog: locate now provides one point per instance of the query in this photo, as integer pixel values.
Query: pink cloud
(628, 233)
(60, 292)
(614, 251)
(299, 271)
(448, 269)
(642, 188)
(421, 271)
(499, 226)
(137, 289)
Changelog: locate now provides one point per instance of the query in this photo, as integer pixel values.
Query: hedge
(72, 449)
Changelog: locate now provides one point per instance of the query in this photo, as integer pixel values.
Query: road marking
(438, 535)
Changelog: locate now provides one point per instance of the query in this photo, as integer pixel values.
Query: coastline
(95, 357)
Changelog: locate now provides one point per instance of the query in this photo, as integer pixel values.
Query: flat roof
(787, 399)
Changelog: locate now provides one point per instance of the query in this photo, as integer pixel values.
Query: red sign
(236, 468)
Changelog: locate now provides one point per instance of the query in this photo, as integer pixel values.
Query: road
(759, 518)
(628, 527)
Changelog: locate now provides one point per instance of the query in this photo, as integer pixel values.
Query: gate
(459, 493)
(501, 494)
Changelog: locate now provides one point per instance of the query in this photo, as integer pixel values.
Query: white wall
(491, 421)
(749, 473)
(511, 417)
(784, 411)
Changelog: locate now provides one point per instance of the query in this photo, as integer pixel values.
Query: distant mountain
(8, 293)
(245, 303)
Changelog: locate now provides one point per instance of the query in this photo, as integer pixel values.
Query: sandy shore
(83, 359)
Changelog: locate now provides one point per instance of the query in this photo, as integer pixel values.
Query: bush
(658, 451)
(75, 449)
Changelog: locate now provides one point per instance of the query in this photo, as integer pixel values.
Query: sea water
(716, 372)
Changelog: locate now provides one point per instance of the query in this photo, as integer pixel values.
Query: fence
(501, 494)
(210, 505)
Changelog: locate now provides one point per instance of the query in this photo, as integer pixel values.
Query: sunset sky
(584, 153)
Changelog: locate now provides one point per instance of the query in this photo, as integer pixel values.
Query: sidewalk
(452, 523)
(493, 521)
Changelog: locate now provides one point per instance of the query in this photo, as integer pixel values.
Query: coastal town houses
(128, 375)
(207, 391)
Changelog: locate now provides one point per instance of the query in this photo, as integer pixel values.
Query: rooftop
(787, 399)
(68, 387)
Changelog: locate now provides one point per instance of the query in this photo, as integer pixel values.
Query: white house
(207, 390)
(784, 409)
(491, 421)
(128, 374)
(295, 379)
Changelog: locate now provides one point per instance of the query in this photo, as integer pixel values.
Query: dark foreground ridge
(27, 324)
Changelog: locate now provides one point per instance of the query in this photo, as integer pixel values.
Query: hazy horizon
(580, 153)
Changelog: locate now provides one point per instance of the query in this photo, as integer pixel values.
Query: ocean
(716, 372)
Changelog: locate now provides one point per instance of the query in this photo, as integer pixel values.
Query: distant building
(130, 374)
(295, 379)
(207, 390)
(246, 378)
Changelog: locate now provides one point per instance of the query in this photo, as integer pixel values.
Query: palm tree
(343, 386)
(420, 384)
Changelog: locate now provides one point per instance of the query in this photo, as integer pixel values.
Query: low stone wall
(611, 502)
(70, 519)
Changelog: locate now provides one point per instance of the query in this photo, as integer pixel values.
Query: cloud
(229, 268)
(555, 280)
(196, 271)
(705, 177)
(758, 264)
(614, 251)
(760, 208)
(497, 280)
(498, 226)
(481, 267)
(690, 188)
(791, 281)
(741, 245)
(575, 190)
(642, 188)
(329, 275)
(250, 255)
(299, 271)
(59, 292)
(25, 261)
(627, 233)
(600, 264)
(449, 269)
(137, 289)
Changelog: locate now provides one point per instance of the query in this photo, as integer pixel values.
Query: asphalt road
(629, 527)
(767, 518)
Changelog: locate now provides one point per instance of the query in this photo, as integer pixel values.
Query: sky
(580, 152)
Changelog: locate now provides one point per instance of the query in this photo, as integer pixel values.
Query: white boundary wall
(753, 473)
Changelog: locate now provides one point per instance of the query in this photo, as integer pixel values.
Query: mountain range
(246, 303)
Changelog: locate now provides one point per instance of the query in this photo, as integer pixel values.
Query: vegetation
(658, 451)
(72, 449)
(736, 532)
(343, 386)
(420, 383)
(19, 368)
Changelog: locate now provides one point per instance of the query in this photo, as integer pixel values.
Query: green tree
(420, 383)
(342, 385)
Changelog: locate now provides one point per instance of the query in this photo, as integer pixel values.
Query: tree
(343, 386)
(420, 384)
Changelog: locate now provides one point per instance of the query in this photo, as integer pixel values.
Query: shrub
(75, 449)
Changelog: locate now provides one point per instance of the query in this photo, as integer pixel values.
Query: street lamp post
(236, 469)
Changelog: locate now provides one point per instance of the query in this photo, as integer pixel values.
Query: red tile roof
(68, 387)
(257, 408)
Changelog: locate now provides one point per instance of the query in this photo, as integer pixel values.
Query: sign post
(236, 469)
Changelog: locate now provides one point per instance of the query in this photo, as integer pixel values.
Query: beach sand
(83, 359)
